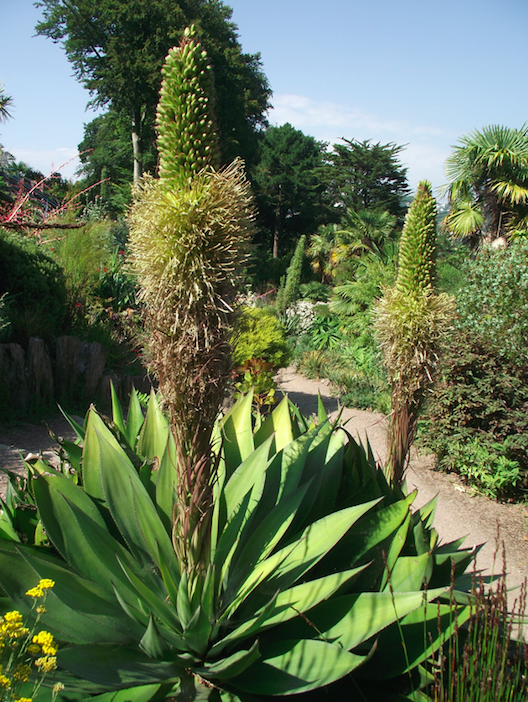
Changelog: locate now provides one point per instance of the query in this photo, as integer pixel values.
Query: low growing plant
(296, 592)
(259, 333)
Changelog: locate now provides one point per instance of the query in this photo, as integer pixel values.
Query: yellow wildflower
(12, 625)
(22, 673)
(58, 687)
(46, 663)
(45, 639)
(38, 591)
(33, 649)
(35, 592)
(5, 682)
(41, 609)
(25, 699)
(46, 583)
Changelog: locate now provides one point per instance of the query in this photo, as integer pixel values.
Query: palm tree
(488, 183)
(362, 231)
(320, 250)
(6, 101)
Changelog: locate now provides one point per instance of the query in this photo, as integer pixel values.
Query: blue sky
(417, 73)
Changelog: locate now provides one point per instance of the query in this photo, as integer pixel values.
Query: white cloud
(47, 162)
(426, 146)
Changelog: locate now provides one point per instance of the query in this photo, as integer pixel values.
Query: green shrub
(315, 291)
(481, 397)
(289, 289)
(260, 334)
(35, 285)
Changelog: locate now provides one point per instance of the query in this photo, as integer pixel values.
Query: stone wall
(75, 373)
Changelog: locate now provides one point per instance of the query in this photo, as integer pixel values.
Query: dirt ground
(459, 511)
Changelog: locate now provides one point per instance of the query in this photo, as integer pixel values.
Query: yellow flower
(12, 625)
(5, 682)
(33, 649)
(22, 673)
(58, 687)
(44, 584)
(46, 663)
(45, 639)
(25, 699)
(41, 609)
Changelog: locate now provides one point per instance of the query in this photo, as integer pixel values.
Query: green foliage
(480, 398)
(288, 292)
(494, 302)
(81, 253)
(260, 334)
(314, 291)
(117, 50)
(366, 175)
(325, 332)
(35, 287)
(289, 187)
(488, 184)
(484, 662)
(312, 556)
(481, 393)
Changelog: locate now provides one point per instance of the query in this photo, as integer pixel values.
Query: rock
(13, 382)
(66, 353)
(94, 371)
(40, 377)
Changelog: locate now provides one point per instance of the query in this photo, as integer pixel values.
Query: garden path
(459, 512)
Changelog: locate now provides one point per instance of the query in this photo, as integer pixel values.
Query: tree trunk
(136, 144)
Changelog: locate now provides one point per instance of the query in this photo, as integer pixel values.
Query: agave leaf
(117, 412)
(231, 666)
(77, 428)
(262, 541)
(283, 568)
(395, 549)
(237, 433)
(166, 485)
(134, 419)
(245, 630)
(183, 604)
(321, 412)
(424, 630)
(154, 433)
(91, 458)
(74, 454)
(291, 667)
(293, 460)
(118, 666)
(140, 693)
(229, 538)
(130, 505)
(370, 612)
(152, 643)
(278, 425)
(250, 474)
(427, 512)
(78, 610)
(155, 603)
(198, 631)
(409, 573)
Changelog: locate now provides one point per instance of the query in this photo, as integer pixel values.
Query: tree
(289, 185)
(117, 48)
(364, 175)
(6, 102)
(488, 183)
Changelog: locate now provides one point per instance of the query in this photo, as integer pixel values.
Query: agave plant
(316, 564)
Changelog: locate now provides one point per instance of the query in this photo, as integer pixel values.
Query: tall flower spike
(187, 133)
(416, 264)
